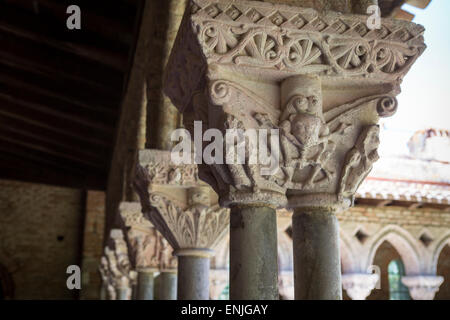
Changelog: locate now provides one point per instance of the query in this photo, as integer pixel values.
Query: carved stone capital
(278, 41)
(115, 267)
(359, 285)
(318, 80)
(149, 251)
(197, 226)
(423, 287)
(186, 214)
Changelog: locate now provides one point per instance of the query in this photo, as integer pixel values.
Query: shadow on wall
(6, 284)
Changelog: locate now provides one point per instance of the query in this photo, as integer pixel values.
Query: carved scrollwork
(350, 55)
(387, 106)
(280, 40)
(303, 52)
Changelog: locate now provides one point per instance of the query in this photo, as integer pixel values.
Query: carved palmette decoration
(197, 226)
(286, 39)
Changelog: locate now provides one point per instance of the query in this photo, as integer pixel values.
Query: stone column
(167, 286)
(145, 285)
(253, 253)
(359, 285)
(193, 271)
(317, 86)
(317, 264)
(423, 287)
(183, 210)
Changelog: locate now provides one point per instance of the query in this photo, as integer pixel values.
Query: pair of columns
(120, 280)
(318, 82)
(150, 254)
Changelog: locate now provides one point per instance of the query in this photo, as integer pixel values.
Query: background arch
(403, 242)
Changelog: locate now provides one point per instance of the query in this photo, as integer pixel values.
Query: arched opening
(397, 290)
(443, 269)
(392, 269)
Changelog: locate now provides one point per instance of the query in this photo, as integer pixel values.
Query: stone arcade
(324, 80)
(338, 218)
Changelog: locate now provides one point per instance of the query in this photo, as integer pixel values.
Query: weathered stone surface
(359, 285)
(253, 254)
(322, 79)
(316, 256)
(423, 287)
(150, 251)
(115, 268)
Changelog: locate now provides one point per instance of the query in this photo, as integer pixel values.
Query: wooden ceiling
(61, 89)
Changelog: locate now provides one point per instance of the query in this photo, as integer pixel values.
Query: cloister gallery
(88, 177)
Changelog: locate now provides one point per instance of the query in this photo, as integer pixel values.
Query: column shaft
(145, 285)
(167, 286)
(253, 253)
(317, 266)
(122, 294)
(193, 278)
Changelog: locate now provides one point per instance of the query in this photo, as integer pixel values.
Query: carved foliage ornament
(197, 226)
(283, 39)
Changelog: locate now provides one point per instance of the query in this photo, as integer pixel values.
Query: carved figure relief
(359, 160)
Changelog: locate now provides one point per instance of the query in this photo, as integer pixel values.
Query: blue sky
(425, 98)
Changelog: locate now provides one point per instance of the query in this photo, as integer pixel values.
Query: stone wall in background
(40, 236)
(94, 224)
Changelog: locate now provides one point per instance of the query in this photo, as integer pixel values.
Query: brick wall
(92, 245)
(397, 215)
(40, 235)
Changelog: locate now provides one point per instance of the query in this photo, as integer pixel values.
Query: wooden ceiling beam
(44, 160)
(37, 30)
(13, 125)
(115, 30)
(18, 168)
(14, 111)
(37, 57)
(51, 147)
(55, 110)
(46, 150)
(78, 94)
